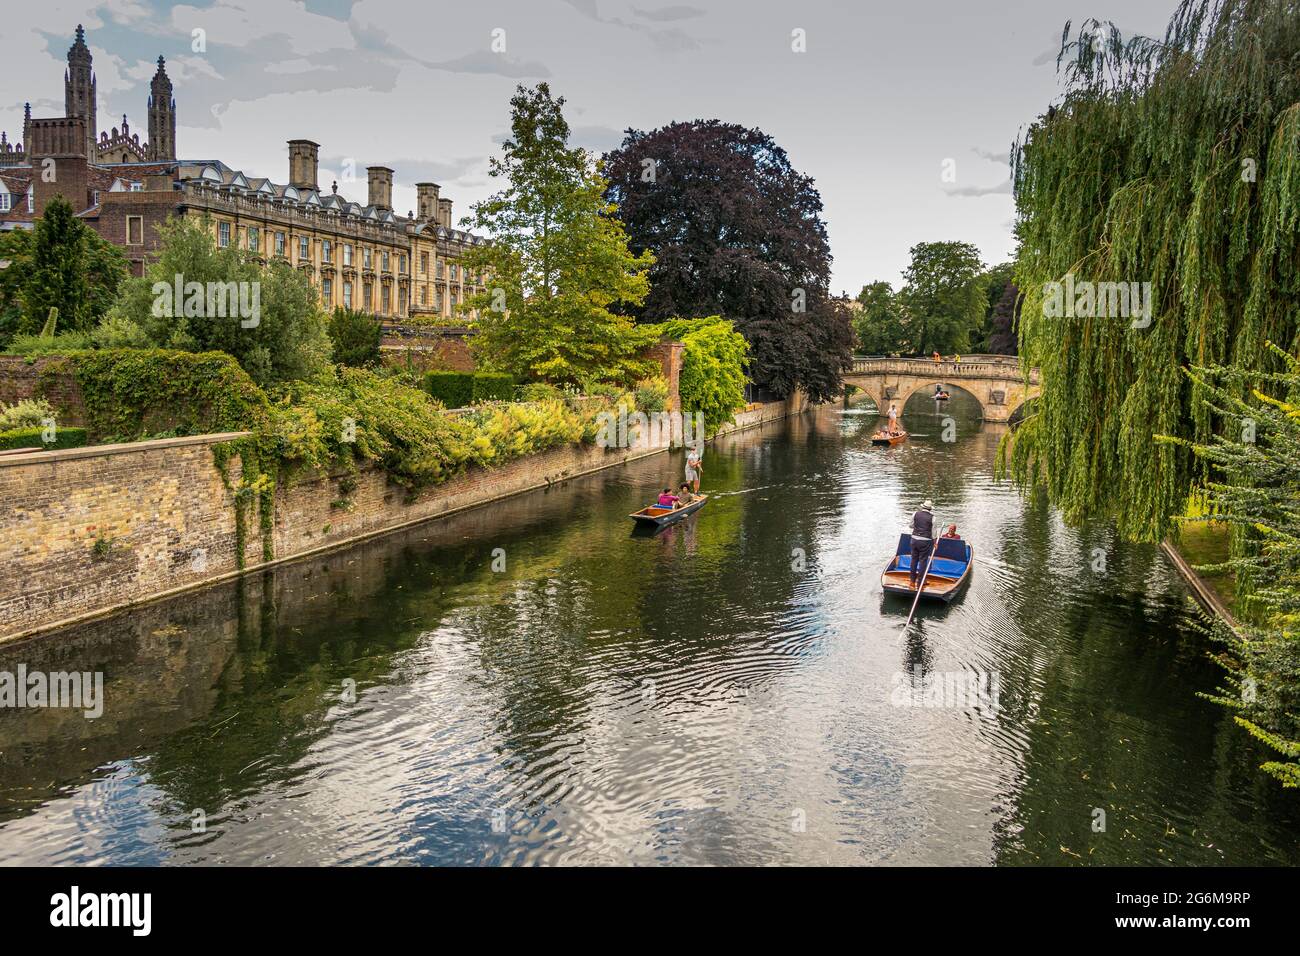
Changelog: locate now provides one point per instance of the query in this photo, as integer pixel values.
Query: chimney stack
(381, 187)
(444, 213)
(426, 201)
(303, 158)
(62, 142)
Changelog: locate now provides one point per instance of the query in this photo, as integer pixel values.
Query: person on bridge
(937, 357)
(922, 541)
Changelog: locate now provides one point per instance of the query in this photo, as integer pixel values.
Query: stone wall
(19, 378)
(169, 524)
(84, 529)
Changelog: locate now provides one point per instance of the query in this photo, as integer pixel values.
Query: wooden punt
(950, 569)
(889, 439)
(657, 516)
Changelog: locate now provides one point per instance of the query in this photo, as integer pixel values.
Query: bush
(652, 394)
(713, 368)
(453, 389)
(493, 387)
(29, 413)
(48, 345)
(34, 438)
(117, 332)
(539, 392)
(356, 338)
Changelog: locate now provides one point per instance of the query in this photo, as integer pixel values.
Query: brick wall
(19, 379)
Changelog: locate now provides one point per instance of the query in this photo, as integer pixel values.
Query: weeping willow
(1174, 163)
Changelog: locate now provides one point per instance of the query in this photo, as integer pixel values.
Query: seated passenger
(951, 532)
(668, 499)
(685, 496)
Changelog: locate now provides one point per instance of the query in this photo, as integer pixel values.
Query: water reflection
(717, 693)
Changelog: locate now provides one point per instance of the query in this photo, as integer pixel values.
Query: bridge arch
(996, 382)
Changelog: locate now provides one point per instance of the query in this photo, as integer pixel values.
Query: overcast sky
(882, 96)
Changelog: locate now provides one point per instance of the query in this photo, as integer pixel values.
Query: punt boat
(658, 516)
(949, 570)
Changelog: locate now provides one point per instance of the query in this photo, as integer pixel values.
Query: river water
(533, 683)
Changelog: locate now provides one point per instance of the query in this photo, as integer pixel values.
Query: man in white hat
(922, 541)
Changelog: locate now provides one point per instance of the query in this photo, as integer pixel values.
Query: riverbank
(92, 532)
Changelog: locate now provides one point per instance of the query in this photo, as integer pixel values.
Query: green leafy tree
(945, 297)
(1254, 487)
(714, 359)
(285, 341)
(1171, 164)
(558, 259)
(356, 337)
(880, 324)
(62, 264)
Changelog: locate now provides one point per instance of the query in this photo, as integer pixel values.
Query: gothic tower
(79, 89)
(162, 117)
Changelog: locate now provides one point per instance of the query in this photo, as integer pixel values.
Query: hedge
(64, 437)
(462, 389)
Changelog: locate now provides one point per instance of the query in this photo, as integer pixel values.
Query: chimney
(57, 153)
(303, 158)
(426, 201)
(444, 213)
(381, 187)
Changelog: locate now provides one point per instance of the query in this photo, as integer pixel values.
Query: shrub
(539, 392)
(356, 337)
(118, 332)
(29, 413)
(453, 389)
(34, 438)
(493, 387)
(651, 395)
(48, 345)
(713, 367)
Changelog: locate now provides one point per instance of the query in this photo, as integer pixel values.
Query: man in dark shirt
(922, 541)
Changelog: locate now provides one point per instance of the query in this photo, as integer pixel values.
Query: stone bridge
(995, 381)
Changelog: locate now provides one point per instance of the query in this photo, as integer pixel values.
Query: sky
(903, 113)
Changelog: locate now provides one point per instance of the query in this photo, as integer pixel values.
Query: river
(532, 683)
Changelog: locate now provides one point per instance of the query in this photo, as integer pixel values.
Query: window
(304, 248)
(424, 295)
(385, 260)
(223, 234)
(94, 197)
(347, 295)
(5, 202)
(326, 250)
(384, 294)
(327, 291)
(279, 243)
(31, 199)
(403, 261)
(455, 272)
(254, 239)
(401, 301)
(439, 268)
(424, 263)
(367, 298)
(134, 230)
(137, 187)
(437, 300)
(365, 258)
(347, 253)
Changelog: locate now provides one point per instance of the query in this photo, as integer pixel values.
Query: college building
(407, 270)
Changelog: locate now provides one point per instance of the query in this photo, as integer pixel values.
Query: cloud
(481, 61)
(664, 14)
(1001, 189)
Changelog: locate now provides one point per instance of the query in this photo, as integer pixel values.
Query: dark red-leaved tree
(1004, 339)
(736, 231)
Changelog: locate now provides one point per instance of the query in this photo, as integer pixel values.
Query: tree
(880, 324)
(736, 231)
(1169, 166)
(60, 264)
(356, 337)
(268, 317)
(558, 258)
(713, 367)
(996, 280)
(944, 296)
(1254, 487)
(1002, 322)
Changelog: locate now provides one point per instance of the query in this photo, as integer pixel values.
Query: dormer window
(5, 201)
(31, 199)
